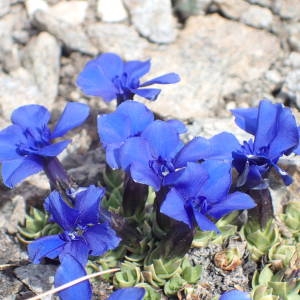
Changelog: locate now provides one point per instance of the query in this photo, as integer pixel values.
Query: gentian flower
(149, 158)
(235, 295)
(128, 120)
(109, 77)
(275, 134)
(27, 146)
(130, 293)
(201, 192)
(82, 235)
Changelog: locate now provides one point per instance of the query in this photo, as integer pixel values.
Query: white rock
(72, 12)
(258, 17)
(42, 59)
(111, 10)
(33, 5)
(4, 7)
(233, 9)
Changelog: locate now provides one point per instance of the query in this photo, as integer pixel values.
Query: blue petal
(142, 173)
(218, 147)
(297, 150)
(31, 116)
(191, 179)
(101, 238)
(235, 295)
(77, 248)
(139, 115)
(164, 79)
(203, 222)
(88, 205)
(73, 115)
(62, 214)
(14, 171)
(219, 181)
(177, 125)
(174, 207)
(70, 269)
(10, 137)
(112, 156)
(286, 135)
(136, 69)
(150, 94)
(94, 82)
(163, 139)
(111, 64)
(113, 128)
(246, 119)
(135, 149)
(234, 201)
(131, 293)
(48, 246)
(53, 149)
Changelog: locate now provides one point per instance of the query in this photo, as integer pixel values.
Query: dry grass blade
(73, 282)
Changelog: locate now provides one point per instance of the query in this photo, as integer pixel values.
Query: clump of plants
(160, 195)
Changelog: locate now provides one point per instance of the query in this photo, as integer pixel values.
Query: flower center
(161, 167)
(77, 233)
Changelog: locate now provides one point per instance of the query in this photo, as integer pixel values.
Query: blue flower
(235, 295)
(275, 134)
(130, 293)
(82, 235)
(201, 192)
(128, 120)
(149, 158)
(26, 147)
(109, 77)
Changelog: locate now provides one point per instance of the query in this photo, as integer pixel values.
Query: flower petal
(177, 125)
(203, 222)
(88, 205)
(94, 82)
(139, 115)
(61, 213)
(150, 94)
(163, 139)
(73, 115)
(48, 246)
(14, 171)
(164, 79)
(70, 269)
(234, 201)
(246, 119)
(101, 238)
(130, 293)
(218, 147)
(10, 137)
(77, 248)
(111, 64)
(31, 116)
(53, 149)
(235, 295)
(136, 69)
(174, 207)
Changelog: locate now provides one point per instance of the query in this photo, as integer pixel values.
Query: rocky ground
(229, 53)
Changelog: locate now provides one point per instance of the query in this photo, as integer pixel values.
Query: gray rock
(210, 65)
(18, 89)
(233, 9)
(153, 19)
(4, 7)
(293, 60)
(111, 10)
(73, 12)
(258, 17)
(39, 278)
(291, 87)
(110, 38)
(72, 37)
(10, 251)
(9, 286)
(188, 8)
(34, 5)
(264, 3)
(287, 9)
(294, 41)
(44, 48)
